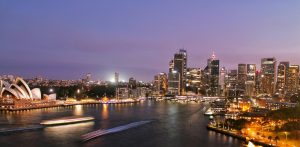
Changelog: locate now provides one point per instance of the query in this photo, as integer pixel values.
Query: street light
(286, 133)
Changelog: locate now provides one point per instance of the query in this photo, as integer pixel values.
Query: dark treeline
(78, 91)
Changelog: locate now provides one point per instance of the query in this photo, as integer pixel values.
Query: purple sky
(66, 39)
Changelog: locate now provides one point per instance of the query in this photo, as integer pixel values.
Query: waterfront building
(193, 80)
(174, 83)
(177, 72)
(160, 85)
(122, 93)
(18, 90)
(268, 75)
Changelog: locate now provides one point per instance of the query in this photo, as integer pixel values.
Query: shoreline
(240, 137)
(61, 105)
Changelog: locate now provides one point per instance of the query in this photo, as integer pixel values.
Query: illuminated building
(177, 73)
(193, 83)
(250, 81)
(18, 90)
(212, 71)
(222, 77)
(174, 83)
(293, 79)
(242, 77)
(282, 75)
(231, 82)
(160, 84)
(268, 75)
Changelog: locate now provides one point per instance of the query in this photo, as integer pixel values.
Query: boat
(66, 120)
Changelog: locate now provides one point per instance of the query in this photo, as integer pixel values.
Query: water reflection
(105, 111)
(78, 110)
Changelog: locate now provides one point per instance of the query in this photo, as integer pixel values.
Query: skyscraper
(268, 75)
(251, 79)
(213, 71)
(116, 77)
(231, 82)
(282, 74)
(242, 77)
(178, 66)
(293, 79)
(223, 73)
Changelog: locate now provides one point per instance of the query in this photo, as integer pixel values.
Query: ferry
(66, 120)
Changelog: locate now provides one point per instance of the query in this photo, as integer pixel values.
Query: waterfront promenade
(257, 141)
(65, 104)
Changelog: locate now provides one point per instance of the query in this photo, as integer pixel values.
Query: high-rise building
(179, 66)
(160, 84)
(193, 80)
(116, 77)
(174, 83)
(212, 70)
(250, 82)
(223, 73)
(268, 75)
(242, 77)
(293, 79)
(231, 83)
(282, 74)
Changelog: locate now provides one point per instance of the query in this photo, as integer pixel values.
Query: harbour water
(174, 124)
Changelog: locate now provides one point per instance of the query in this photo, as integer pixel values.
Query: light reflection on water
(66, 132)
(78, 110)
(105, 111)
(175, 125)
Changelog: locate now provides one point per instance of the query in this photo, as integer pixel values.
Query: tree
(270, 138)
(276, 139)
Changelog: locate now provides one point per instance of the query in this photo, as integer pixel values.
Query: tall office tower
(193, 80)
(293, 79)
(242, 77)
(250, 82)
(179, 66)
(160, 84)
(117, 77)
(212, 70)
(174, 83)
(282, 74)
(231, 82)
(223, 73)
(268, 75)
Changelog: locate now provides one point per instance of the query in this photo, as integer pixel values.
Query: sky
(65, 39)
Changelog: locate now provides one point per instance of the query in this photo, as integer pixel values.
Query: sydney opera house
(19, 90)
(18, 94)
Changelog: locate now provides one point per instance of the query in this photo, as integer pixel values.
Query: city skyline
(81, 38)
